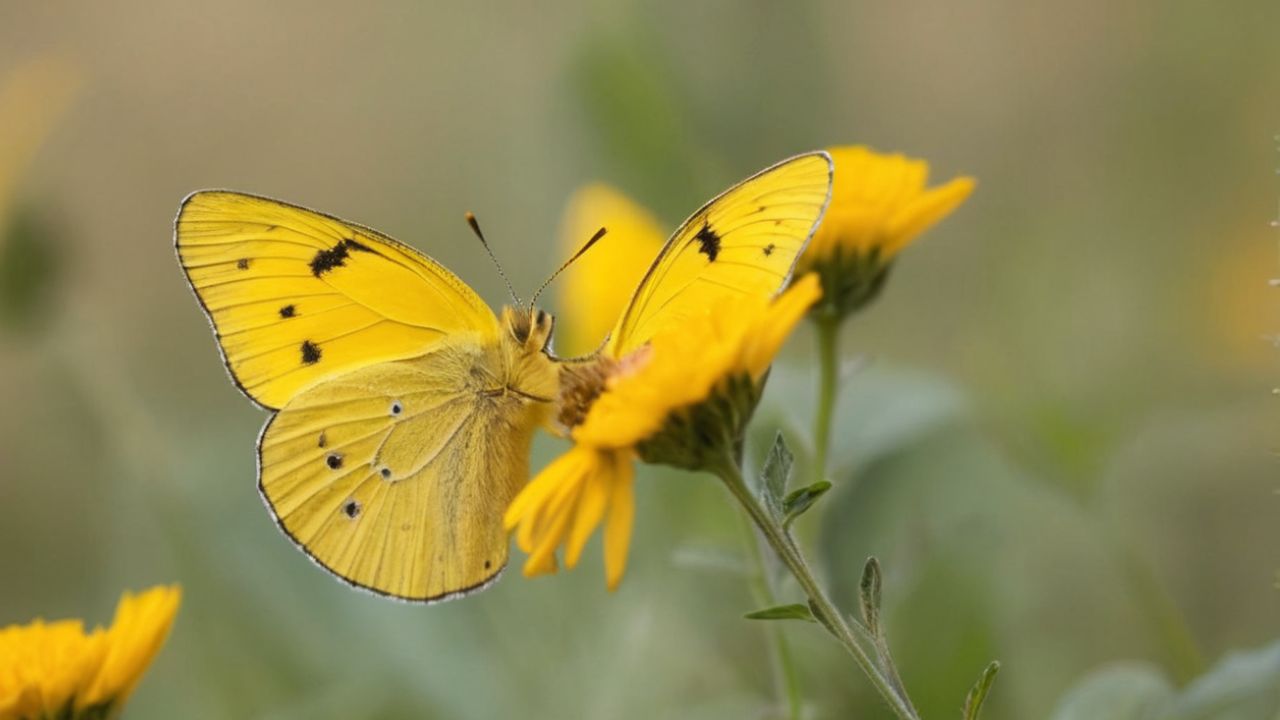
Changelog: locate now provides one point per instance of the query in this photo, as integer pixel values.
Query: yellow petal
(924, 211)
(535, 494)
(781, 318)
(141, 625)
(537, 530)
(591, 507)
(558, 512)
(617, 531)
(44, 665)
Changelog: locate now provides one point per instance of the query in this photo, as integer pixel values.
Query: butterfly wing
(395, 477)
(395, 448)
(296, 296)
(743, 243)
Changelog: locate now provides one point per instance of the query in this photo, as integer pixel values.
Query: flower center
(582, 382)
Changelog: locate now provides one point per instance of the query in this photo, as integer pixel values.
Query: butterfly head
(529, 327)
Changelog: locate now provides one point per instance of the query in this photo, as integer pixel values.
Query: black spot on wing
(709, 241)
(310, 353)
(242, 264)
(334, 461)
(768, 249)
(336, 256)
(323, 440)
(487, 564)
(288, 311)
(351, 509)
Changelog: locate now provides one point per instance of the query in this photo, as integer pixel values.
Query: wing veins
(348, 333)
(263, 301)
(277, 320)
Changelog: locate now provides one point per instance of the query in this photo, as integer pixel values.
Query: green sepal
(701, 436)
(851, 279)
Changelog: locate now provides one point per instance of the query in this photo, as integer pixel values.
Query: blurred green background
(1061, 448)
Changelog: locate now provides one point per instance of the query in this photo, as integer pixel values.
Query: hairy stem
(785, 676)
(1185, 660)
(828, 329)
(823, 608)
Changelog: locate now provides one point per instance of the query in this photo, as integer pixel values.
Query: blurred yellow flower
(879, 205)
(598, 285)
(33, 96)
(56, 669)
(683, 399)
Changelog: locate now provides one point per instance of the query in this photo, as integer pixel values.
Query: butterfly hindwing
(395, 476)
(296, 296)
(743, 243)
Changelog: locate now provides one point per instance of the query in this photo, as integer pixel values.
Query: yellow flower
(44, 665)
(598, 285)
(33, 96)
(683, 400)
(58, 670)
(879, 205)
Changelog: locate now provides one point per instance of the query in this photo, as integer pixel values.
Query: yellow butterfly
(403, 407)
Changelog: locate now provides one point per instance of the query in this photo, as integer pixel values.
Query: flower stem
(823, 608)
(784, 669)
(828, 328)
(1185, 659)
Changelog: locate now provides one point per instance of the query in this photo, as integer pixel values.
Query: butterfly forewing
(296, 296)
(743, 243)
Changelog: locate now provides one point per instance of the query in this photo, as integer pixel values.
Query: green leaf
(795, 611)
(869, 592)
(1128, 691)
(801, 500)
(776, 474)
(909, 406)
(1244, 685)
(973, 701)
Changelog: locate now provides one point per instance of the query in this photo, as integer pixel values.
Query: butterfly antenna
(475, 228)
(594, 238)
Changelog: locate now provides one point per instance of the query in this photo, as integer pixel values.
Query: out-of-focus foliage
(1244, 685)
(30, 262)
(1058, 440)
